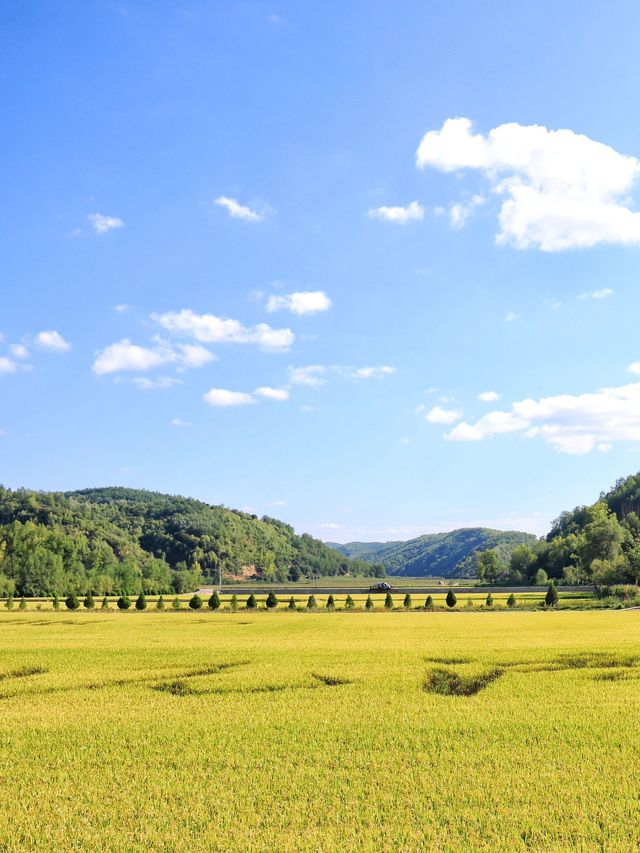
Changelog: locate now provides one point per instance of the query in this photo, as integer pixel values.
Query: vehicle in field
(381, 587)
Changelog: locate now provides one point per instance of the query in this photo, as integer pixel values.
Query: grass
(243, 732)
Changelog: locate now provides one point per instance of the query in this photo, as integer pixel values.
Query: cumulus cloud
(488, 396)
(440, 415)
(301, 302)
(312, 375)
(7, 365)
(103, 224)
(604, 293)
(574, 424)
(222, 398)
(52, 341)
(19, 351)
(267, 393)
(559, 189)
(209, 329)
(125, 356)
(412, 212)
(239, 211)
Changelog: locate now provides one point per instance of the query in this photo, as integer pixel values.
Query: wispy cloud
(223, 398)
(103, 224)
(603, 293)
(126, 356)
(511, 317)
(279, 394)
(239, 211)
(159, 384)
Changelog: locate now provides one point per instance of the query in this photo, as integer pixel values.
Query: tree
(428, 605)
(176, 604)
(160, 603)
(9, 602)
(488, 565)
(56, 602)
(407, 602)
(331, 604)
(521, 563)
(251, 602)
(541, 578)
(312, 603)
(368, 605)
(71, 602)
(195, 602)
(141, 602)
(511, 601)
(388, 601)
(272, 601)
(88, 601)
(551, 598)
(451, 598)
(349, 603)
(23, 603)
(123, 603)
(292, 604)
(214, 602)
(105, 603)
(489, 600)
(233, 604)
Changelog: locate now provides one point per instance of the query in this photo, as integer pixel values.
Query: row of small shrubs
(72, 602)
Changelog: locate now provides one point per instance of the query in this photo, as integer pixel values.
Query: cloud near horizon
(572, 424)
(559, 189)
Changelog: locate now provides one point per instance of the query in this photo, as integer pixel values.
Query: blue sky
(270, 254)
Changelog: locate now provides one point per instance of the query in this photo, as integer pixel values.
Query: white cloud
(489, 396)
(301, 302)
(279, 394)
(208, 329)
(330, 525)
(510, 317)
(52, 341)
(103, 224)
(559, 189)
(239, 211)
(312, 375)
(413, 212)
(439, 415)
(225, 399)
(19, 351)
(365, 372)
(7, 365)
(277, 503)
(125, 356)
(159, 384)
(178, 422)
(121, 308)
(634, 367)
(461, 211)
(604, 293)
(574, 424)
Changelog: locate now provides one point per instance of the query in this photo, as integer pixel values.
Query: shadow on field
(180, 688)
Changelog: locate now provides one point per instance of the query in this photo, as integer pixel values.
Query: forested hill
(437, 554)
(117, 540)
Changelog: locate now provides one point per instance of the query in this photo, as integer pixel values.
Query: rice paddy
(319, 732)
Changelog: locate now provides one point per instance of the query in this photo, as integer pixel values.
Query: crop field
(320, 732)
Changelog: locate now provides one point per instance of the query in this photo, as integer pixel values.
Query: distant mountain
(445, 555)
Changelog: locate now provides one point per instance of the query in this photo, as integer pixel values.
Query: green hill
(438, 554)
(117, 540)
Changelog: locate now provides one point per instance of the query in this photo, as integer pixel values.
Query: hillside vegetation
(438, 554)
(597, 544)
(116, 540)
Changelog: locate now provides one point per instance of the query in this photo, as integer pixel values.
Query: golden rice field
(320, 732)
